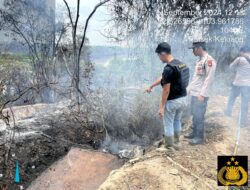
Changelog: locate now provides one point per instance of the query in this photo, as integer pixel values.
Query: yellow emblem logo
(233, 173)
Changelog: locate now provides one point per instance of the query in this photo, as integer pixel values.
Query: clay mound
(79, 169)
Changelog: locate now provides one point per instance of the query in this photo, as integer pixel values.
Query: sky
(96, 24)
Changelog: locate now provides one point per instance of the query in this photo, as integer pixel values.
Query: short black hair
(245, 49)
(163, 47)
(199, 44)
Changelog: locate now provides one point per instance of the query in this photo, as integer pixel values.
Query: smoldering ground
(117, 113)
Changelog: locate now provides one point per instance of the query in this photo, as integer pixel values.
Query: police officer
(174, 81)
(200, 89)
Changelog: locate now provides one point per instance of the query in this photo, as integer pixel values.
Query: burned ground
(52, 134)
(193, 167)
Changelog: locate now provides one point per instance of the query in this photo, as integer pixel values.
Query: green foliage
(15, 71)
(13, 63)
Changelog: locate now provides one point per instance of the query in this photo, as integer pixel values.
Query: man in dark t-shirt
(171, 75)
(174, 81)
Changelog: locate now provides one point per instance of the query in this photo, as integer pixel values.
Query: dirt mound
(79, 169)
(154, 171)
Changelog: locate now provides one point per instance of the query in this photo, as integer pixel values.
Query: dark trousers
(244, 92)
(198, 110)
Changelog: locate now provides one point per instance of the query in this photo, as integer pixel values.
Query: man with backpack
(174, 81)
(241, 85)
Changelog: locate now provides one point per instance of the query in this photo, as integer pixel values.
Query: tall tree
(77, 50)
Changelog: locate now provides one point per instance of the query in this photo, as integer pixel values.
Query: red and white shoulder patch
(210, 62)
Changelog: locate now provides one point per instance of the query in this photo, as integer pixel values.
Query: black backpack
(182, 75)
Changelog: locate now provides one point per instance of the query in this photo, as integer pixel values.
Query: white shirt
(241, 66)
(203, 77)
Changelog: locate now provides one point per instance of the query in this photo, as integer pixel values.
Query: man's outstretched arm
(156, 83)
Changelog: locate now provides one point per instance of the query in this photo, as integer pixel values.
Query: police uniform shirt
(203, 77)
